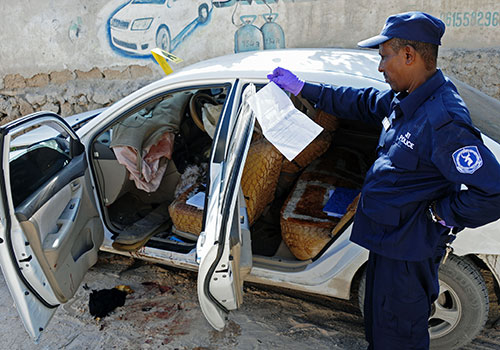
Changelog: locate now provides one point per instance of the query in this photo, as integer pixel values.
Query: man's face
(392, 65)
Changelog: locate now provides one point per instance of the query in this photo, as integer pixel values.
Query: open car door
(50, 230)
(224, 248)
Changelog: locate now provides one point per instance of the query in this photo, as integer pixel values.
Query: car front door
(224, 249)
(50, 231)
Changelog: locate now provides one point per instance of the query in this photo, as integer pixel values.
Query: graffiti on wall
(471, 18)
(138, 26)
(250, 37)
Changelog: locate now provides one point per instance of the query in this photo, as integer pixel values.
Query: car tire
(203, 13)
(461, 310)
(463, 295)
(163, 38)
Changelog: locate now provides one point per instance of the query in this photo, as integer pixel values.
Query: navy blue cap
(416, 26)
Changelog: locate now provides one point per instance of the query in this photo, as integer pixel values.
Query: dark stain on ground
(154, 285)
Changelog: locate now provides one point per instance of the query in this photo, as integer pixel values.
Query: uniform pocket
(380, 212)
(403, 158)
(401, 318)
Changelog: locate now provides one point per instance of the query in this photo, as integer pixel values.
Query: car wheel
(461, 309)
(203, 13)
(163, 38)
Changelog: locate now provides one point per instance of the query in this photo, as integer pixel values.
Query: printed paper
(288, 129)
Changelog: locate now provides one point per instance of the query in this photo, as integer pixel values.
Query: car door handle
(75, 186)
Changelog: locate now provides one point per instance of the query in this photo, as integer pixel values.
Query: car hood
(134, 11)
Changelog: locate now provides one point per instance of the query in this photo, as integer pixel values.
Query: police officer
(412, 202)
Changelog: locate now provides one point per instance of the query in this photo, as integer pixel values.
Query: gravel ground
(163, 313)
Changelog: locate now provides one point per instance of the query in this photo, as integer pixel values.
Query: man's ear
(410, 54)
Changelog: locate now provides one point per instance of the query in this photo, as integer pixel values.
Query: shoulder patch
(467, 159)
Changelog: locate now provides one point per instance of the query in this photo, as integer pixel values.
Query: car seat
(305, 228)
(258, 182)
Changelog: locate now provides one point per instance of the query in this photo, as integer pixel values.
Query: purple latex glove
(286, 80)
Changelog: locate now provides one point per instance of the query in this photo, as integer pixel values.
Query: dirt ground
(163, 313)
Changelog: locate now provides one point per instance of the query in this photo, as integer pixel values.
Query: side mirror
(76, 148)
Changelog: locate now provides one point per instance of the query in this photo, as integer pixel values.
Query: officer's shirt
(427, 149)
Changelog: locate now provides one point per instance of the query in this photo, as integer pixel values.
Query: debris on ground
(104, 301)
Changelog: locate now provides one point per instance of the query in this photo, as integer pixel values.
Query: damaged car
(179, 173)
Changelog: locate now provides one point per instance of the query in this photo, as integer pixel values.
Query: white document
(287, 128)
(198, 200)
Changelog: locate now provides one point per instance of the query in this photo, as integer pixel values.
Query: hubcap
(445, 313)
(163, 41)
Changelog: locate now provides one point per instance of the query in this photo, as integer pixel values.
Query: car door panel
(51, 230)
(63, 234)
(75, 169)
(224, 249)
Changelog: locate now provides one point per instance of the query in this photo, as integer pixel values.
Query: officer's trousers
(398, 300)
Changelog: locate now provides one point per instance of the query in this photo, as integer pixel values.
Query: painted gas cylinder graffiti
(138, 26)
(274, 37)
(249, 37)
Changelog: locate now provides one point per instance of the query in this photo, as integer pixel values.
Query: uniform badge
(467, 159)
(386, 123)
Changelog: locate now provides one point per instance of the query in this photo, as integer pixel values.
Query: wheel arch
(491, 263)
(358, 275)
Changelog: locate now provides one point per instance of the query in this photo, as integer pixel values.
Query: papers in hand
(339, 200)
(198, 200)
(288, 129)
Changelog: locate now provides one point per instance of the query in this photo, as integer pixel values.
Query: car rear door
(50, 230)
(224, 248)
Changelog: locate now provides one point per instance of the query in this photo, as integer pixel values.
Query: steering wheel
(195, 107)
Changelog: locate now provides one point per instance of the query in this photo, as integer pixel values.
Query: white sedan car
(179, 173)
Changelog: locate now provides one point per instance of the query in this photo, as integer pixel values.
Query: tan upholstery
(260, 175)
(305, 228)
(315, 149)
(326, 121)
(185, 217)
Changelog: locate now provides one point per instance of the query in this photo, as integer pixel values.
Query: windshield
(159, 2)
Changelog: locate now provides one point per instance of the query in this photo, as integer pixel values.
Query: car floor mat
(128, 209)
(136, 235)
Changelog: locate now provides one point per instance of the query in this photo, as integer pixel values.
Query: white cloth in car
(210, 116)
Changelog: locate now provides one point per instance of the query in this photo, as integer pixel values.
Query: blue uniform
(428, 148)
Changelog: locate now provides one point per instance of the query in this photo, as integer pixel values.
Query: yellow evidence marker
(161, 56)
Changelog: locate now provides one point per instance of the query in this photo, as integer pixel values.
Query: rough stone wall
(68, 92)
(477, 68)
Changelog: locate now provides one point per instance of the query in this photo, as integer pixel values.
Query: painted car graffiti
(229, 3)
(141, 25)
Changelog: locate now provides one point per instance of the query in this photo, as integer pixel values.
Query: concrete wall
(53, 53)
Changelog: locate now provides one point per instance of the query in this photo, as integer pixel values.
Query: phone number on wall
(469, 19)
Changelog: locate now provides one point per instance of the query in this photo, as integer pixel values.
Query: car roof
(303, 62)
(311, 64)
(351, 67)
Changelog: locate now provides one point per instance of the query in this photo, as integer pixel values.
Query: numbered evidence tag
(386, 123)
(161, 56)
